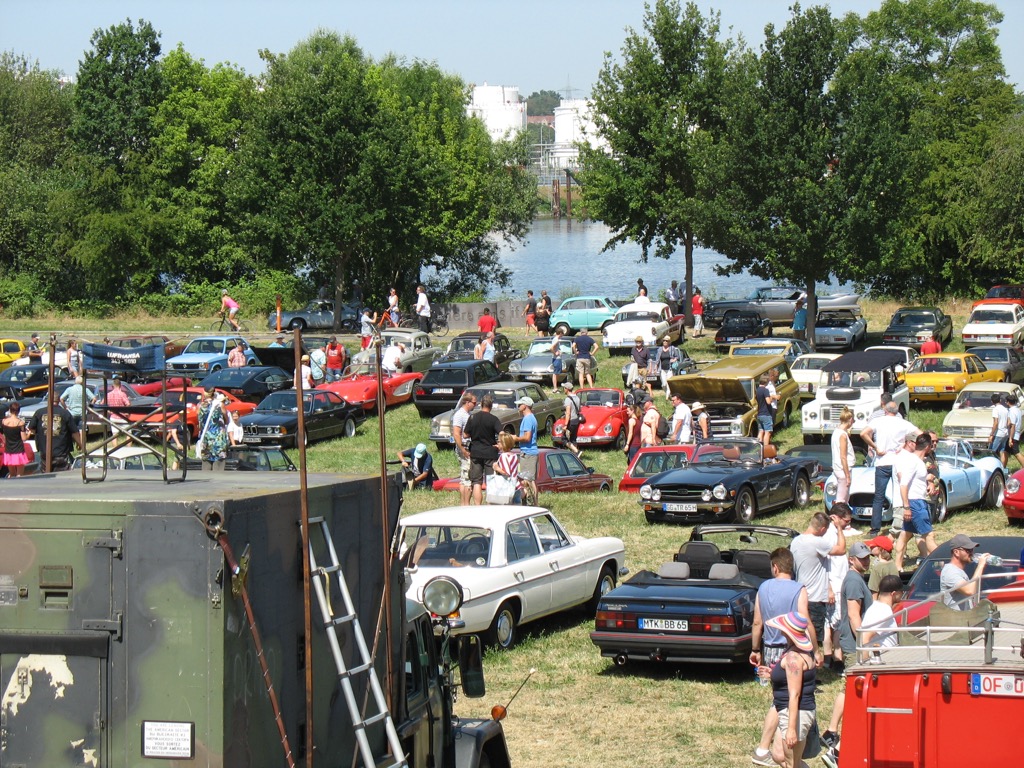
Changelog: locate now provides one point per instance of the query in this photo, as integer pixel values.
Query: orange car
(192, 396)
(940, 377)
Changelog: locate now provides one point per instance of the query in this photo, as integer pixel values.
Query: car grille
(967, 433)
(865, 500)
(832, 412)
(681, 493)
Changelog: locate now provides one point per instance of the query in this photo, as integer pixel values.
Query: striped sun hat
(793, 626)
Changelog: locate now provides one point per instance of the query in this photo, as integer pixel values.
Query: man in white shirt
(838, 566)
(884, 437)
(912, 476)
(999, 438)
(422, 309)
(1016, 419)
(879, 622)
(682, 420)
(391, 359)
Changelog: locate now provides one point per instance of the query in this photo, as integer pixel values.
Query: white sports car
(515, 564)
(650, 321)
(966, 480)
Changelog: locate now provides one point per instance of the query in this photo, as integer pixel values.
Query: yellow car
(940, 377)
(10, 350)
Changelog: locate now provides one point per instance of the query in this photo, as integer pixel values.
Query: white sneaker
(763, 759)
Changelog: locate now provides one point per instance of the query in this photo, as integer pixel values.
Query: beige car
(971, 416)
(547, 409)
(727, 389)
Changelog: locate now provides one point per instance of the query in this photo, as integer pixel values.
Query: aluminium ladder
(350, 620)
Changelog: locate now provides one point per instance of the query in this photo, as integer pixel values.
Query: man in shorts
(530, 313)
(482, 429)
(912, 475)
(1013, 444)
(697, 309)
(527, 440)
(461, 443)
(584, 347)
(572, 418)
(999, 437)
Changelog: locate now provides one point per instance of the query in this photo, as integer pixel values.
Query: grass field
(578, 709)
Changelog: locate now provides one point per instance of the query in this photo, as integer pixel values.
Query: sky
(533, 45)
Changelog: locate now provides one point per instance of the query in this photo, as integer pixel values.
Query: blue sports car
(968, 475)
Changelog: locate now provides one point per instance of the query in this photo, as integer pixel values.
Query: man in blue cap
(417, 467)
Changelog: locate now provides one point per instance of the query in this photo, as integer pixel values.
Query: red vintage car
(558, 471)
(650, 461)
(358, 386)
(606, 419)
(152, 388)
(192, 397)
(1013, 497)
(1002, 294)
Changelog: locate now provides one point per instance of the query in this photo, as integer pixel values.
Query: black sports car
(251, 383)
(728, 478)
(275, 421)
(737, 327)
(463, 346)
(697, 608)
(21, 381)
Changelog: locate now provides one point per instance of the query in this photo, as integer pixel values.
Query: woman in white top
(843, 457)
(235, 432)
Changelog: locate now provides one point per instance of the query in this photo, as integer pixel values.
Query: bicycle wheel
(409, 322)
(218, 326)
(243, 327)
(439, 326)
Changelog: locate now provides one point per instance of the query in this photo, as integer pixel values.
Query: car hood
(647, 587)
(269, 418)
(538, 362)
(709, 390)
(196, 357)
(975, 417)
(701, 474)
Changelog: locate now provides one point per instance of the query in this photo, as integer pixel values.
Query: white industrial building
(500, 109)
(574, 124)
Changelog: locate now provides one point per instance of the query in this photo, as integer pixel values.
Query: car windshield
(228, 377)
(975, 398)
(855, 379)
(283, 401)
(991, 316)
(544, 347)
(627, 316)
(810, 363)
(727, 450)
(913, 318)
(1005, 292)
(204, 347)
(606, 399)
(650, 464)
(17, 374)
(462, 344)
(992, 355)
(393, 341)
(448, 545)
(446, 377)
(925, 581)
(760, 349)
(740, 321)
(937, 365)
(361, 369)
(844, 320)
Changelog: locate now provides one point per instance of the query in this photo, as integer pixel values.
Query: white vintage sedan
(995, 324)
(515, 564)
(651, 321)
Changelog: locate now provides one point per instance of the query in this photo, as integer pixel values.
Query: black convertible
(275, 421)
(728, 479)
(738, 327)
(697, 608)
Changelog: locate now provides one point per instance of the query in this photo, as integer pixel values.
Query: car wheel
(940, 509)
(549, 425)
(787, 416)
(801, 491)
(350, 428)
(408, 369)
(620, 441)
(503, 631)
(605, 584)
(605, 488)
(215, 369)
(746, 506)
(297, 324)
(563, 329)
(903, 411)
(994, 491)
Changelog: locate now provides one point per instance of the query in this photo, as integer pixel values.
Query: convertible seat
(723, 571)
(731, 453)
(700, 556)
(756, 562)
(771, 451)
(674, 570)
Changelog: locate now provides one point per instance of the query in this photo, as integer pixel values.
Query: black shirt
(60, 432)
(482, 429)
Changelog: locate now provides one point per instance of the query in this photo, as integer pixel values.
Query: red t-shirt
(487, 323)
(335, 357)
(697, 303)
(930, 347)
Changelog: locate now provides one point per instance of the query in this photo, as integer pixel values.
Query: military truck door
(58, 618)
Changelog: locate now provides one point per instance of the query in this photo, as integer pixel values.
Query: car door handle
(519, 576)
(554, 565)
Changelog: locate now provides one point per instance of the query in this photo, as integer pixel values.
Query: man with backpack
(654, 428)
(573, 418)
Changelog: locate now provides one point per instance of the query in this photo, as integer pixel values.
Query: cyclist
(230, 306)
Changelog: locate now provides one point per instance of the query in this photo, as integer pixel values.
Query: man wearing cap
(236, 357)
(418, 466)
(74, 401)
(954, 582)
(34, 351)
(810, 565)
(527, 440)
(800, 320)
(57, 432)
(572, 417)
(855, 600)
(335, 359)
(884, 437)
(882, 565)
(912, 476)
(584, 347)
(278, 342)
(461, 443)
(639, 362)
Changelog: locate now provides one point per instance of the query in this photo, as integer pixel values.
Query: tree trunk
(688, 256)
(812, 311)
(339, 284)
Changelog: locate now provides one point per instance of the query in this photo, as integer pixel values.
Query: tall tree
(661, 112)
(542, 102)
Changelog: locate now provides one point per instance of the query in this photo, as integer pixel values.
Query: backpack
(662, 430)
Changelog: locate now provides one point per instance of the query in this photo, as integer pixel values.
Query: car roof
(947, 355)
(456, 364)
(643, 306)
(866, 360)
(740, 366)
(992, 386)
(917, 309)
(994, 304)
(504, 385)
(471, 517)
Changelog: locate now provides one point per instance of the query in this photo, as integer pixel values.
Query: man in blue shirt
(278, 342)
(584, 346)
(418, 467)
(527, 440)
(800, 320)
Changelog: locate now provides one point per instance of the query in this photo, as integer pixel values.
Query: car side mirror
(590, 470)
(471, 666)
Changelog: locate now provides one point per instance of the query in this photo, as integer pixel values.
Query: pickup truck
(651, 321)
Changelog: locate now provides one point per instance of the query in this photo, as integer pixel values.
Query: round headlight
(656, 494)
(514, 365)
(1012, 485)
(812, 415)
(860, 416)
(608, 429)
(831, 487)
(645, 492)
(442, 595)
(551, 369)
(736, 428)
(719, 492)
(705, 495)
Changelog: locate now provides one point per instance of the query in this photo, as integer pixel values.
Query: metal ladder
(351, 620)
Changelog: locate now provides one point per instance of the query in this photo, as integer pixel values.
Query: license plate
(443, 391)
(924, 389)
(679, 507)
(735, 339)
(535, 378)
(583, 439)
(907, 339)
(995, 684)
(991, 339)
(828, 425)
(250, 439)
(666, 625)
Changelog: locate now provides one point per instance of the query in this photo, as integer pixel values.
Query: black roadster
(737, 327)
(728, 479)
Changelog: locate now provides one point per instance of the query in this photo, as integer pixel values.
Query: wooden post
(568, 194)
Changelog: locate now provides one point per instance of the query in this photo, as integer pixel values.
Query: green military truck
(125, 636)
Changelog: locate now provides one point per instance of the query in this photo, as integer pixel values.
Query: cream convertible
(515, 564)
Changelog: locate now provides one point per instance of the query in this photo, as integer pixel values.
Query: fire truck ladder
(350, 621)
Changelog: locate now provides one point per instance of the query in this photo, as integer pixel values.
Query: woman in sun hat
(701, 422)
(793, 679)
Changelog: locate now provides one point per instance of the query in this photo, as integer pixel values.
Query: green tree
(661, 112)
(542, 102)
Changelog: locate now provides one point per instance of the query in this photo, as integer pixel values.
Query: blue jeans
(332, 374)
(883, 475)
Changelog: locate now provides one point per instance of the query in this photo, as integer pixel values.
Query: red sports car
(358, 386)
(606, 420)
(192, 397)
(558, 471)
(152, 388)
(1013, 497)
(650, 461)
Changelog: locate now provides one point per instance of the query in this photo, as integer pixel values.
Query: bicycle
(224, 325)
(438, 323)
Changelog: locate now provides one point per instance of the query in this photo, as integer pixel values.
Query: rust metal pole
(386, 527)
(49, 406)
(568, 194)
(307, 618)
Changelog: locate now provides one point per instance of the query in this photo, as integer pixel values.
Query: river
(565, 259)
